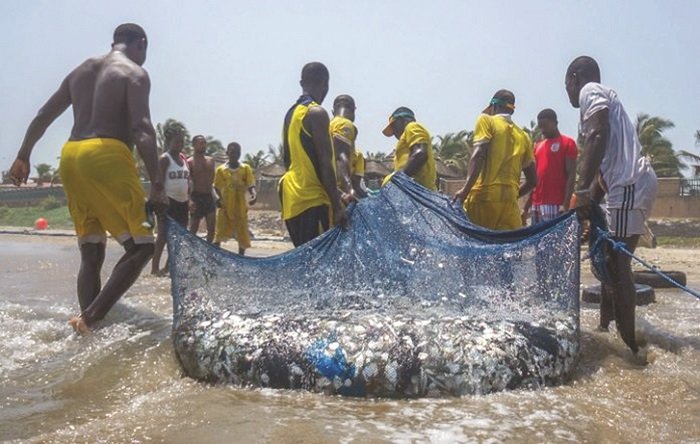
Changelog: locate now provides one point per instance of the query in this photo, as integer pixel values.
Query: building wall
(670, 203)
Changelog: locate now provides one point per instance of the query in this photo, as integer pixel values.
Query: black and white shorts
(626, 223)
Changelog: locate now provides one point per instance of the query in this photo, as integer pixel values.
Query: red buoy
(41, 224)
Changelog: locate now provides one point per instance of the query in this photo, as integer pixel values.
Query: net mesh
(411, 299)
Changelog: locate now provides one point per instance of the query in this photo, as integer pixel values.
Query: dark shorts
(308, 225)
(179, 211)
(204, 204)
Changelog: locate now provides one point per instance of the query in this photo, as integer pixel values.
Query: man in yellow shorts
(308, 189)
(414, 149)
(350, 164)
(502, 151)
(234, 182)
(109, 95)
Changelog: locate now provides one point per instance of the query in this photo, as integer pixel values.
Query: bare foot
(79, 325)
(641, 356)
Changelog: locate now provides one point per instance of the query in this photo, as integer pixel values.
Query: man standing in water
(203, 202)
(176, 177)
(234, 182)
(612, 167)
(502, 151)
(308, 189)
(414, 150)
(344, 133)
(555, 160)
(109, 95)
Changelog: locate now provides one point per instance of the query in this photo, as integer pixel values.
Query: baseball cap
(400, 112)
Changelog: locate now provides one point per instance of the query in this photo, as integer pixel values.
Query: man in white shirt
(612, 167)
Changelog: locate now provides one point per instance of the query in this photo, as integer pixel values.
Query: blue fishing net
(412, 299)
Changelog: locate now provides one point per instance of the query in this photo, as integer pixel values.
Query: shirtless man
(202, 200)
(109, 95)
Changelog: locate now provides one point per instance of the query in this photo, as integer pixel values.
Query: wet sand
(123, 383)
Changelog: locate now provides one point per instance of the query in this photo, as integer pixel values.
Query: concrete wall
(24, 196)
(670, 203)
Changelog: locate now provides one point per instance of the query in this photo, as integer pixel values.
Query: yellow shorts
(104, 191)
(503, 215)
(232, 225)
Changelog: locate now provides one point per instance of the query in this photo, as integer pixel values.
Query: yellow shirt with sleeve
(233, 184)
(232, 217)
(510, 150)
(357, 166)
(415, 134)
(493, 201)
(344, 129)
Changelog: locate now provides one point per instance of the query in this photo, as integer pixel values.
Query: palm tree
(214, 147)
(275, 155)
(55, 176)
(257, 160)
(378, 155)
(693, 158)
(455, 149)
(6, 177)
(43, 172)
(160, 134)
(534, 132)
(666, 162)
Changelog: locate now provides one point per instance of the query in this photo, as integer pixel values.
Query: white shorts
(626, 223)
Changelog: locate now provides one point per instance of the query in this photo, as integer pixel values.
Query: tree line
(454, 149)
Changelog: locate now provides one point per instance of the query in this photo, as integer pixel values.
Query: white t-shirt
(628, 177)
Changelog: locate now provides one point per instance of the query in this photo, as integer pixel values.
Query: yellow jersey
(510, 150)
(357, 166)
(344, 129)
(300, 186)
(414, 134)
(233, 184)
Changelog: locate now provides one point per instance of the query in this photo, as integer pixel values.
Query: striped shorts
(626, 220)
(543, 213)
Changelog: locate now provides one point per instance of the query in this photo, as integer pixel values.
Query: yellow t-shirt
(301, 186)
(414, 134)
(509, 151)
(357, 166)
(233, 183)
(344, 129)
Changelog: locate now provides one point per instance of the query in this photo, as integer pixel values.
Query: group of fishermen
(110, 99)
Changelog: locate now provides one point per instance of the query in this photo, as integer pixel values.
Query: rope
(620, 246)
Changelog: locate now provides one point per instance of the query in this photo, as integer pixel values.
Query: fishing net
(411, 299)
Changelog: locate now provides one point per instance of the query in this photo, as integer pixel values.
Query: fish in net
(411, 300)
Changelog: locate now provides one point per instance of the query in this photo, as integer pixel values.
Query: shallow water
(123, 383)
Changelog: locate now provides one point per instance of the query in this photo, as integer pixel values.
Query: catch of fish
(412, 300)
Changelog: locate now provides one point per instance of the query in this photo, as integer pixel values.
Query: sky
(231, 69)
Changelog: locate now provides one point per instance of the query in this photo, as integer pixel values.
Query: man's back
(509, 151)
(98, 93)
